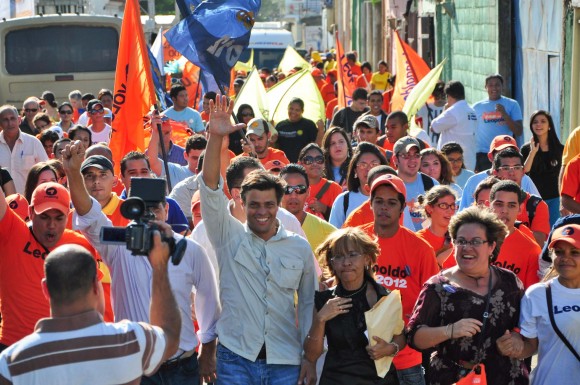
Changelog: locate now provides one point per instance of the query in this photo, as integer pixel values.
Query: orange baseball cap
(569, 233)
(501, 142)
(48, 196)
(316, 72)
(19, 205)
(390, 180)
(275, 164)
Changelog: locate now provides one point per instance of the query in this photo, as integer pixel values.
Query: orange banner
(411, 68)
(346, 79)
(134, 91)
(190, 80)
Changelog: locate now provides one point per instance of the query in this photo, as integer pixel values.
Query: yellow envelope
(385, 320)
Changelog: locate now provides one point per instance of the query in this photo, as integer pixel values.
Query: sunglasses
(299, 189)
(31, 110)
(308, 160)
(97, 111)
(65, 112)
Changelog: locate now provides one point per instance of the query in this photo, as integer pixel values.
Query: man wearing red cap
(22, 253)
(498, 143)
(405, 263)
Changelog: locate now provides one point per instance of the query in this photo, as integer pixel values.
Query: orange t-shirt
(272, 154)
(405, 263)
(327, 92)
(361, 82)
(204, 116)
(363, 215)
(356, 70)
(437, 243)
(520, 255)
(571, 179)
(330, 108)
(327, 199)
(21, 271)
(541, 221)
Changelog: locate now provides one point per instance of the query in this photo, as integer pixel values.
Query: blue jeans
(233, 369)
(414, 375)
(553, 209)
(186, 373)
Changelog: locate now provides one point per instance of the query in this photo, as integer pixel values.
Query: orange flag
(134, 91)
(190, 80)
(411, 68)
(346, 79)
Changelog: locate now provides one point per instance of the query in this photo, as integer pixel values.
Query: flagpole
(163, 152)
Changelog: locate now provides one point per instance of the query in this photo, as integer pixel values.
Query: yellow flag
(246, 66)
(422, 91)
(299, 85)
(253, 93)
(292, 59)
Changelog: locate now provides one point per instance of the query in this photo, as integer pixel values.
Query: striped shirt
(82, 349)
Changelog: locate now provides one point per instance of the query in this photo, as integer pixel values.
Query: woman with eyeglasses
(454, 154)
(339, 314)
(439, 206)
(543, 311)
(323, 192)
(366, 156)
(244, 115)
(464, 310)
(543, 160)
(66, 112)
(337, 154)
(436, 165)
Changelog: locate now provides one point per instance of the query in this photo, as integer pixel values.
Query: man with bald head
(104, 353)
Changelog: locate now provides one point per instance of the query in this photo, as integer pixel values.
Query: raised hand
(73, 157)
(220, 114)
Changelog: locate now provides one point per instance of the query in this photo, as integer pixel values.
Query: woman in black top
(339, 314)
(543, 160)
(6, 182)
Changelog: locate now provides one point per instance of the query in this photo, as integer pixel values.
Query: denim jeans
(411, 376)
(233, 369)
(553, 209)
(186, 373)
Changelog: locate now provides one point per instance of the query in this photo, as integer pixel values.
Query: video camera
(145, 194)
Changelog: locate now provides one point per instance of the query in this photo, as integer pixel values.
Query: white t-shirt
(102, 136)
(556, 364)
(458, 124)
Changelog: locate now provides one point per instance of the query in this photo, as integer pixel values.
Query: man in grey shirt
(262, 266)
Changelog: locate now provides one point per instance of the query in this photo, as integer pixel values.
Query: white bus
(59, 53)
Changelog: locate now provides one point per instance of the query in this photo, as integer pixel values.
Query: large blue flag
(186, 7)
(214, 36)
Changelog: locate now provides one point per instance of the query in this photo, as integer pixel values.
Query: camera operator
(131, 282)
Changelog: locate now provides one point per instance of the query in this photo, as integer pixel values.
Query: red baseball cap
(48, 196)
(316, 72)
(390, 180)
(19, 205)
(501, 142)
(569, 233)
(274, 165)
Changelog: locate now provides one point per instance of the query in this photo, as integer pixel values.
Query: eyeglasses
(97, 111)
(65, 112)
(27, 110)
(351, 256)
(410, 156)
(511, 168)
(445, 206)
(299, 189)
(367, 166)
(455, 160)
(473, 243)
(308, 160)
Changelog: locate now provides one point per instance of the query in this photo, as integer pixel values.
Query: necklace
(351, 294)
(476, 279)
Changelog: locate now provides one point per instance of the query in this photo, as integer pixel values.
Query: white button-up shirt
(26, 153)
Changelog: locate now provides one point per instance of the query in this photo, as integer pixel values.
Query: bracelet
(397, 348)
(447, 333)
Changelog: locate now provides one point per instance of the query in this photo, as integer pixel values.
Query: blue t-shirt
(414, 189)
(189, 116)
(463, 176)
(490, 122)
(175, 216)
(337, 214)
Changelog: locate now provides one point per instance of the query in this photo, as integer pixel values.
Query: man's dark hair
(507, 186)
(104, 92)
(48, 136)
(88, 96)
(485, 184)
(298, 101)
(266, 70)
(262, 180)
(70, 272)
(376, 92)
(351, 56)
(58, 142)
(509, 152)
(360, 93)
(210, 95)
(382, 62)
(236, 170)
(494, 76)
(400, 115)
(455, 89)
(439, 89)
(451, 147)
(294, 168)
(195, 142)
(133, 155)
(72, 133)
(175, 90)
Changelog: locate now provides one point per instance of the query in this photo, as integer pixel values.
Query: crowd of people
(290, 232)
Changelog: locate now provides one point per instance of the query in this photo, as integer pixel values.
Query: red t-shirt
(327, 93)
(541, 222)
(330, 108)
(405, 263)
(437, 243)
(520, 255)
(571, 180)
(327, 199)
(363, 81)
(21, 271)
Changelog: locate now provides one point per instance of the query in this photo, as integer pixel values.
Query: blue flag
(163, 99)
(214, 36)
(186, 7)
